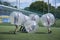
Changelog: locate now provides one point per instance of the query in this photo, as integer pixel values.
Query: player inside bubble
(21, 21)
(48, 20)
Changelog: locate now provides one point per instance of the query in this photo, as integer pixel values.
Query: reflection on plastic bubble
(16, 18)
(26, 18)
(34, 17)
(48, 19)
(31, 26)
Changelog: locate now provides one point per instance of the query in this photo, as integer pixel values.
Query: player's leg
(49, 30)
(21, 27)
(16, 29)
(24, 30)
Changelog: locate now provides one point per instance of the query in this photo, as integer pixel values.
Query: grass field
(41, 34)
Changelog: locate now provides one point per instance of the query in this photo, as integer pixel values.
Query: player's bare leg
(16, 29)
(49, 30)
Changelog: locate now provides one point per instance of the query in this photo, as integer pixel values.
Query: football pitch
(41, 34)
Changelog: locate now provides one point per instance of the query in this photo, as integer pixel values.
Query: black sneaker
(50, 32)
(14, 32)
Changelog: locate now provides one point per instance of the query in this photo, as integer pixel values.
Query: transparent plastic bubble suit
(26, 18)
(31, 26)
(48, 19)
(16, 18)
(34, 17)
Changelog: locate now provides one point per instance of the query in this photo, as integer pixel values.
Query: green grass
(41, 34)
(57, 23)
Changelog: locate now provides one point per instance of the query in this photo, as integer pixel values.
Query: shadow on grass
(6, 33)
(11, 32)
(41, 33)
(22, 32)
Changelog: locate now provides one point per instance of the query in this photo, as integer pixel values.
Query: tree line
(41, 7)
